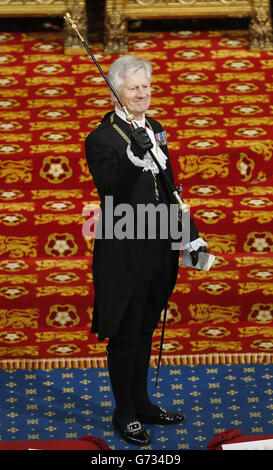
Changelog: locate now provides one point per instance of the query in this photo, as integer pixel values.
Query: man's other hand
(194, 254)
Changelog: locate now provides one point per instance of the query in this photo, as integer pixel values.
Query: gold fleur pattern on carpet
(213, 96)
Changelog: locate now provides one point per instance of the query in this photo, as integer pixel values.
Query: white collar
(122, 115)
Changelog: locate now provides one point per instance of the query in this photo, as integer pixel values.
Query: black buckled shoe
(163, 417)
(132, 432)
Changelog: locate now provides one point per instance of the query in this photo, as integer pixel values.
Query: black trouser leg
(153, 307)
(129, 350)
(120, 367)
(140, 374)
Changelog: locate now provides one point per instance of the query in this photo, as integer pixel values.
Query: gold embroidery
(18, 247)
(37, 126)
(61, 264)
(200, 65)
(262, 217)
(191, 43)
(221, 243)
(97, 348)
(50, 81)
(202, 313)
(16, 137)
(56, 148)
(243, 77)
(202, 133)
(255, 190)
(19, 318)
(61, 219)
(58, 194)
(215, 275)
(23, 206)
(226, 99)
(15, 69)
(261, 147)
(176, 333)
(31, 59)
(182, 288)
(41, 103)
(62, 291)
(177, 89)
(14, 171)
(216, 111)
(254, 261)
(19, 278)
(218, 345)
(248, 287)
(195, 202)
(19, 351)
(209, 166)
(45, 336)
(256, 330)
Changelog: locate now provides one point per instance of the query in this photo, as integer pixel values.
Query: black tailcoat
(116, 262)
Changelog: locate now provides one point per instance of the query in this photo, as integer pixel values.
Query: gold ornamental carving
(118, 12)
(260, 29)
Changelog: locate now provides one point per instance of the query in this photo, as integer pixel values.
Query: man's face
(135, 93)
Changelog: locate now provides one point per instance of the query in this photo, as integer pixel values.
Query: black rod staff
(129, 117)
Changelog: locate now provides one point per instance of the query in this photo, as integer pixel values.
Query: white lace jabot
(147, 163)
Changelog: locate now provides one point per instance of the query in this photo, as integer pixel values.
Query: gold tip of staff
(68, 18)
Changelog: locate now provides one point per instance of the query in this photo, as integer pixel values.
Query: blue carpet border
(69, 403)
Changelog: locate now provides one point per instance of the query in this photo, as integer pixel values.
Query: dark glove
(194, 254)
(140, 142)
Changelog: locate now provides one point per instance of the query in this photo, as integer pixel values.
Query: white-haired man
(133, 276)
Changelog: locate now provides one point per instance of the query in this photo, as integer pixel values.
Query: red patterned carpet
(214, 98)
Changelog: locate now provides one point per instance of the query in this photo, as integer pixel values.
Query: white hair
(124, 66)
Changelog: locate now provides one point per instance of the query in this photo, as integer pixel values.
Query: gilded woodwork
(77, 9)
(118, 12)
(260, 29)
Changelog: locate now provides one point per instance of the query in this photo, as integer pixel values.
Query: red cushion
(233, 436)
(84, 443)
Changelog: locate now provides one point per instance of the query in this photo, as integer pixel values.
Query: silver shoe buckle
(134, 426)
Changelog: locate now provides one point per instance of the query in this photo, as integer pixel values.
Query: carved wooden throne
(77, 9)
(118, 12)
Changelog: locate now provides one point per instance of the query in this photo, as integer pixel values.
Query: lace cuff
(147, 163)
(194, 245)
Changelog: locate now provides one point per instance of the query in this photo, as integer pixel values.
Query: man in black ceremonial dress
(133, 275)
